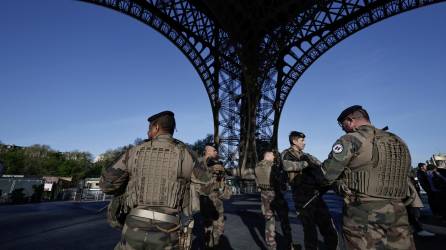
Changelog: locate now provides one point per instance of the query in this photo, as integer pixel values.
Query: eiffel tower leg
(248, 128)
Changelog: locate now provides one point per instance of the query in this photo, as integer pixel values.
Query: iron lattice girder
(280, 39)
(330, 25)
(247, 20)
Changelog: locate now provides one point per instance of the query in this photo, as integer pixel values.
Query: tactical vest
(293, 176)
(381, 166)
(157, 174)
(263, 174)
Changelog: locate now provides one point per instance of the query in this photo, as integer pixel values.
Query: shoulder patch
(337, 148)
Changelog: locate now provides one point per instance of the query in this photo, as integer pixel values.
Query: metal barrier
(248, 186)
(94, 195)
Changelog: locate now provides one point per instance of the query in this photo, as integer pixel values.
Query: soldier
(370, 167)
(291, 158)
(154, 178)
(307, 194)
(292, 162)
(413, 209)
(201, 199)
(270, 182)
(213, 211)
(2, 169)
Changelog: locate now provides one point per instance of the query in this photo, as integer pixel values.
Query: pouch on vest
(117, 211)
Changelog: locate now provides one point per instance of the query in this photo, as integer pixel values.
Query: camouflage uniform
(273, 202)
(148, 199)
(212, 205)
(374, 216)
(267, 198)
(305, 183)
(293, 165)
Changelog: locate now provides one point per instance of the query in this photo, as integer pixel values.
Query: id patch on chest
(337, 148)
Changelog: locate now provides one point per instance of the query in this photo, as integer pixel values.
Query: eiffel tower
(250, 53)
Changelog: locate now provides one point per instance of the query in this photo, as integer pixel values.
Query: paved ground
(78, 225)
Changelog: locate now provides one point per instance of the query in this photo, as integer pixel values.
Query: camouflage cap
(267, 148)
(160, 114)
(348, 111)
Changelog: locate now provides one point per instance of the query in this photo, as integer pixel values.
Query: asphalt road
(79, 225)
(56, 225)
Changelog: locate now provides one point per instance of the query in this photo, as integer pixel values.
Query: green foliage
(138, 141)
(108, 158)
(13, 161)
(41, 160)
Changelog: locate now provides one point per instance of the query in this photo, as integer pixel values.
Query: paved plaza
(79, 225)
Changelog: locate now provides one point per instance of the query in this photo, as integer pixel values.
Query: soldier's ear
(156, 128)
(294, 141)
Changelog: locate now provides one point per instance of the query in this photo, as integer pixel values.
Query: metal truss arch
(331, 25)
(191, 46)
(250, 54)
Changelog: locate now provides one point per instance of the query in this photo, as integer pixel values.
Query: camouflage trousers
(214, 220)
(148, 234)
(381, 224)
(274, 203)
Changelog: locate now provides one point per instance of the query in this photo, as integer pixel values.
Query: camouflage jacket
(294, 162)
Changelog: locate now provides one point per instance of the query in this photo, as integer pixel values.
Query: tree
(13, 161)
(106, 160)
(138, 141)
(200, 144)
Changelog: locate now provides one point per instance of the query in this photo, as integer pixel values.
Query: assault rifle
(316, 194)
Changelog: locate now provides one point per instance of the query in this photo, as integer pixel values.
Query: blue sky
(77, 76)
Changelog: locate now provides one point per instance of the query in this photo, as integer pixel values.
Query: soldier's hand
(304, 157)
(313, 161)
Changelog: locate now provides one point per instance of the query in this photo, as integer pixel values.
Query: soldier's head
(210, 151)
(268, 154)
(353, 117)
(422, 166)
(161, 123)
(297, 140)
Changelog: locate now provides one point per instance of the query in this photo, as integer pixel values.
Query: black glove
(311, 160)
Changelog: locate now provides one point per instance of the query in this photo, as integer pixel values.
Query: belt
(149, 214)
